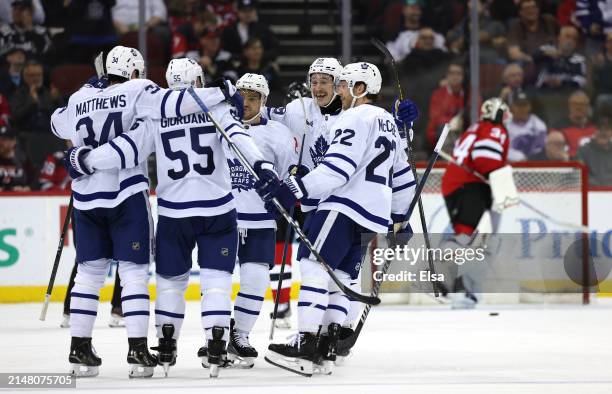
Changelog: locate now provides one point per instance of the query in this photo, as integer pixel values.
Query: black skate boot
(142, 363)
(296, 356)
(166, 348)
(345, 343)
(283, 316)
(239, 351)
(216, 351)
(327, 349)
(84, 361)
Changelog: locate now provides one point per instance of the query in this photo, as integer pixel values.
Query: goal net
(532, 256)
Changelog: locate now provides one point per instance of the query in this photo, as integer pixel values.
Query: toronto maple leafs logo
(317, 151)
(241, 179)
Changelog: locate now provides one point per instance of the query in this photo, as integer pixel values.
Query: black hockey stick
(349, 342)
(370, 300)
(385, 51)
(288, 231)
(58, 256)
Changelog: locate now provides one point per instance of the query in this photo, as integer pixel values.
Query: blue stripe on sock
(170, 314)
(338, 308)
(308, 304)
(136, 313)
(83, 312)
(247, 311)
(313, 289)
(135, 297)
(250, 297)
(85, 295)
(220, 313)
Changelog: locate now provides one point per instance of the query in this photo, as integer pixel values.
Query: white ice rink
(526, 349)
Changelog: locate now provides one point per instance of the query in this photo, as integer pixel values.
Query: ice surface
(403, 349)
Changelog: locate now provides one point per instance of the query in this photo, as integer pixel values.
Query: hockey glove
(74, 161)
(287, 193)
(397, 234)
(268, 179)
(405, 112)
(299, 170)
(233, 97)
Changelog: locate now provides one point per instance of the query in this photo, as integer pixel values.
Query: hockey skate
(240, 353)
(464, 301)
(327, 350)
(65, 321)
(214, 356)
(166, 348)
(296, 356)
(345, 343)
(84, 361)
(142, 363)
(283, 316)
(116, 319)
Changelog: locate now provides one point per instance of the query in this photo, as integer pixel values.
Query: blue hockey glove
(74, 161)
(268, 179)
(233, 97)
(298, 170)
(403, 234)
(405, 112)
(287, 194)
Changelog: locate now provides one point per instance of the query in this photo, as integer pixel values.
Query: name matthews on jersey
(95, 104)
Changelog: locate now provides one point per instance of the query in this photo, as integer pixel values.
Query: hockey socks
(253, 284)
(135, 298)
(170, 303)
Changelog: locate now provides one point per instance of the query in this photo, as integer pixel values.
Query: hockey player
(256, 226)
(195, 206)
(483, 148)
(112, 216)
(363, 182)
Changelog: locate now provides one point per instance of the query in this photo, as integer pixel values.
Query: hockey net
(557, 189)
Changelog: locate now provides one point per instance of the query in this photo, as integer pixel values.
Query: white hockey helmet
(495, 110)
(122, 61)
(257, 83)
(183, 73)
(367, 73)
(325, 65)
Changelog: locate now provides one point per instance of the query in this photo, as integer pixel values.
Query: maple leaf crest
(241, 179)
(317, 152)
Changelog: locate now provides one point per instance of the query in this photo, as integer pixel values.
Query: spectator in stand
(16, 171)
(597, 153)
(492, 36)
(247, 27)
(562, 68)
(555, 149)
(53, 174)
(406, 40)
(89, 29)
(22, 33)
(5, 111)
(224, 10)
(10, 76)
(566, 13)
(578, 128)
(126, 18)
(529, 31)
(215, 62)
(186, 36)
(254, 62)
(526, 132)
(33, 103)
(602, 73)
(513, 78)
(6, 14)
(446, 102)
(425, 55)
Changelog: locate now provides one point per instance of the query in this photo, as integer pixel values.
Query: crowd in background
(550, 60)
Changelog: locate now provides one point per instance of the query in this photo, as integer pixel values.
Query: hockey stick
(350, 341)
(58, 255)
(99, 65)
(385, 51)
(527, 205)
(288, 231)
(346, 290)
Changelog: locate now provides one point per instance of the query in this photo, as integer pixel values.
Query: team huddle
(337, 154)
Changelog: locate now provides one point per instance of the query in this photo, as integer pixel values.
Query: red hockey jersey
(53, 175)
(482, 148)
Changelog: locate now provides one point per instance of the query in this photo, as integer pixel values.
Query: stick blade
(99, 65)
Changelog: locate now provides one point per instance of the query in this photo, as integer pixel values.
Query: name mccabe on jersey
(95, 104)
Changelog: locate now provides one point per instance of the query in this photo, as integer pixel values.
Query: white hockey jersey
(365, 173)
(276, 145)
(318, 135)
(95, 116)
(191, 157)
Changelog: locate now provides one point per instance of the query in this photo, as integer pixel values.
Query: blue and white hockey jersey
(95, 116)
(191, 156)
(318, 135)
(364, 174)
(276, 145)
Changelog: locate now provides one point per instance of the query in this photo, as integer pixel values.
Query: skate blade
(213, 371)
(138, 371)
(206, 364)
(323, 369)
(236, 361)
(83, 371)
(341, 360)
(291, 364)
(166, 367)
